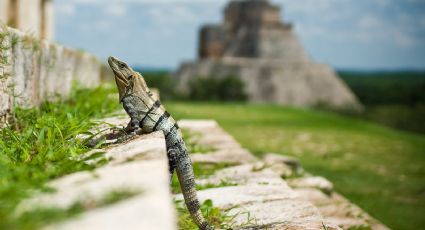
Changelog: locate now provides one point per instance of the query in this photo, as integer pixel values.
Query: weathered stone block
(312, 182)
(225, 149)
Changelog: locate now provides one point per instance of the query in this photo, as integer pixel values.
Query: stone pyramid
(254, 45)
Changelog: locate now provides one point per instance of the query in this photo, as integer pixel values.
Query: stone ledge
(210, 134)
(138, 166)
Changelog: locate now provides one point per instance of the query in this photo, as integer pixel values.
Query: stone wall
(211, 42)
(280, 43)
(33, 70)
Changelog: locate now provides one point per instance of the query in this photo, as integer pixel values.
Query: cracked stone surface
(260, 191)
(260, 199)
(312, 182)
(245, 174)
(210, 134)
(339, 211)
(273, 158)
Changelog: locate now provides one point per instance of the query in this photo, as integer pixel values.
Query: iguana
(148, 115)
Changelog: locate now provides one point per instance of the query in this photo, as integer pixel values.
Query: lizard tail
(187, 184)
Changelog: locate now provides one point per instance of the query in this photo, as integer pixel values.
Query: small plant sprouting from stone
(30, 42)
(218, 218)
(119, 195)
(193, 146)
(5, 44)
(293, 175)
(223, 183)
(361, 227)
(201, 170)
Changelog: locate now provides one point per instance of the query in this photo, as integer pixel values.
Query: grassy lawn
(380, 169)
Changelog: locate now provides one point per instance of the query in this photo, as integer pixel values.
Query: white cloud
(165, 15)
(115, 10)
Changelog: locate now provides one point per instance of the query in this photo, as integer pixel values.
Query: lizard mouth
(113, 64)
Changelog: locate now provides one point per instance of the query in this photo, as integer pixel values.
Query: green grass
(192, 145)
(217, 218)
(39, 145)
(201, 170)
(380, 169)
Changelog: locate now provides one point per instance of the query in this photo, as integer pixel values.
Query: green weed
(201, 170)
(217, 218)
(192, 145)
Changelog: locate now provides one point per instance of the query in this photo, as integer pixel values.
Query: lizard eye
(123, 65)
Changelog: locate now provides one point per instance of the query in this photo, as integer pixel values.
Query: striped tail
(187, 184)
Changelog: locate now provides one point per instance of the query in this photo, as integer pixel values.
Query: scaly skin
(148, 115)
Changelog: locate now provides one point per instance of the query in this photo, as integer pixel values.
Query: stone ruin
(254, 45)
(33, 68)
(31, 16)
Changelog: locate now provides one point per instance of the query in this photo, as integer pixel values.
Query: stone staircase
(257, 197)
(301, 202)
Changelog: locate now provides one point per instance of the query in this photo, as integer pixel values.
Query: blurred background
(361, 40)
(338, 84)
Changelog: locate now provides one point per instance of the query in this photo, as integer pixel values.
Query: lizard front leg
(133, 128)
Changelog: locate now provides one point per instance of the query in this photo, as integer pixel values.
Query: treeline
(228, 88)
(395, 99)
(377, 88)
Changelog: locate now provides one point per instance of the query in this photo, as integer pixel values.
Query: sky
(347, 34)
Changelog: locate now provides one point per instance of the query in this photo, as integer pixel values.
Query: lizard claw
(125, 138)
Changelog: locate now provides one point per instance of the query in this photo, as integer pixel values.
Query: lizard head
(127, 80)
